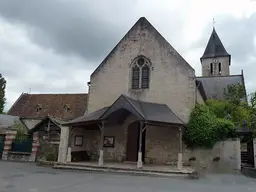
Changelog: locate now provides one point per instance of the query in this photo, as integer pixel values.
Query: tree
(235, 93)
(2, 93)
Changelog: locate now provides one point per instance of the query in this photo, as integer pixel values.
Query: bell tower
(215, 60)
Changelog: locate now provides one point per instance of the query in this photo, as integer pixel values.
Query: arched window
(211, 68)
(145, 77)
(135, 77)
(140, 73)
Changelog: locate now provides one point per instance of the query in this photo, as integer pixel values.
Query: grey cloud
(236, 35)
(80, 27)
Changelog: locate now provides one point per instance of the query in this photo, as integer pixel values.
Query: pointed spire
(214, 47)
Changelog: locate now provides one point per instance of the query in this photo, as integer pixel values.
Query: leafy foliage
(205, 129)
(235, 93)
(237, 112)
(21, 134)
(224, 129)
(50, 156)
(2, 93)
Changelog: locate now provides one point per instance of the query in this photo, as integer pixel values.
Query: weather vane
(213, 22)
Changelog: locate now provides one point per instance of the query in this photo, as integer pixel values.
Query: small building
(44, 113)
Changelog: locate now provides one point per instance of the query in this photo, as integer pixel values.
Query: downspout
(88, 95)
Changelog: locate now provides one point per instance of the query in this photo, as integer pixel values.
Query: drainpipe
(88, 95)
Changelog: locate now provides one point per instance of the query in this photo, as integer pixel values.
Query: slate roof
(214, 47)
(155, 112)
(94, 116)
(143, 110)
(214, 85)
(50, 104)
(6, 121)
(31, 123)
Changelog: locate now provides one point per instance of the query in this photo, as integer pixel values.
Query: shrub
(205, 129)
(50, 156)
(224, 129)
(201, 128)
(219, 108)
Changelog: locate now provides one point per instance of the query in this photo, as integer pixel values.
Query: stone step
(147, 173)
(122, 170)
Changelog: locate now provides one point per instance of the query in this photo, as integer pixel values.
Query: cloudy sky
(52, 46)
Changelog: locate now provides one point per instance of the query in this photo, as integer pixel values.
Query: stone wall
(224, 66)
(199, 98)
(118, 152)
(162, 145)
(172, 79)
(225, 156)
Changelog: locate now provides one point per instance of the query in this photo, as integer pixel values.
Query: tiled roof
(37, 106)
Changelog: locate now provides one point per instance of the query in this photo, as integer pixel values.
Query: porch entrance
(133, 137)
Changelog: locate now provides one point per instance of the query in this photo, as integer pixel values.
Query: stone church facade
(140, 98)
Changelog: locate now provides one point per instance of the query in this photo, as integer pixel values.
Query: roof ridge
(128, 99)
(141, 20)
(218, 76)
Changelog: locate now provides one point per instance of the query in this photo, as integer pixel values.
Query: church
(140, 98)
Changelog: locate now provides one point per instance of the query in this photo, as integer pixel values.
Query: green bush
(201, 128)
(219, 108)
(224, 129)
(238, 113)
(50, 156)
(205, 129)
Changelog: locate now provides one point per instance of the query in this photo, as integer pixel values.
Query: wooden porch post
(139, 162)
(179, 164)
(101, 157)
(69, 157)
(254, 151)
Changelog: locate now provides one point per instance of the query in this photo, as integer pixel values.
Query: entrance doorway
(133, 137)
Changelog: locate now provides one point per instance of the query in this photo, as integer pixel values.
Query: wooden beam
(180, 139)
(140, 139)
(102, 135)
(101, 156)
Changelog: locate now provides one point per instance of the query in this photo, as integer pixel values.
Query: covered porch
(130, 132)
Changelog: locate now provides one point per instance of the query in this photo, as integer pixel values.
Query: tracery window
(140, 73)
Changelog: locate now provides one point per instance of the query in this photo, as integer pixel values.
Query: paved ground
(20, 177)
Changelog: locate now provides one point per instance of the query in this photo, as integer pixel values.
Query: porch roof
(145, 111)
